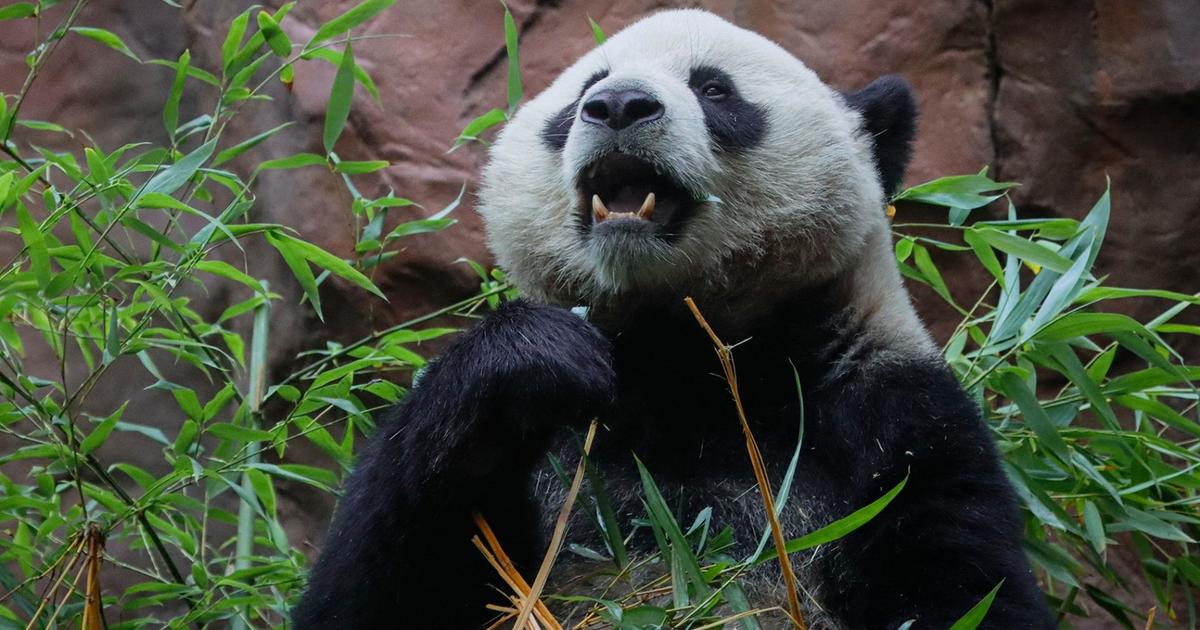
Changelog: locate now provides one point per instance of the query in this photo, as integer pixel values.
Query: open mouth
(627, 193)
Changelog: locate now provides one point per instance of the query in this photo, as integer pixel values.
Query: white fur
(803, 207)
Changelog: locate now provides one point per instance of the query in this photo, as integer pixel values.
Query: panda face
(684, 155)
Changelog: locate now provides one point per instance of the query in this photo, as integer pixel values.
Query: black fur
(734, 123)
(889, 113)
(554, 134)
(469, 434)
(464, 441)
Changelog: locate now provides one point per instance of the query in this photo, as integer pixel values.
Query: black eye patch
(554, 134)
(734, 123)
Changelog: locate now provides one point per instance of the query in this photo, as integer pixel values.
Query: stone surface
(1057, 96)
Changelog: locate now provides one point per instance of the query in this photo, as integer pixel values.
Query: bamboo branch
(760, 470)
(560, 530)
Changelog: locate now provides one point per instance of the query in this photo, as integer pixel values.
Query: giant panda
(686, 156)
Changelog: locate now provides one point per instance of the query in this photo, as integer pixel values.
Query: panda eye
(714, 90)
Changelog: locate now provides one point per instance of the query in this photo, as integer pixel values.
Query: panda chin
(626, 196)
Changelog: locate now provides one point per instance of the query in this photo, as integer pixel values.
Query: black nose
(619, 109)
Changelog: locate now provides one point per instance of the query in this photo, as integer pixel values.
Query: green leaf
(171, 109)
(986, 256)
(957, 191)
(5, 185)
(233, 39)
(188, 403)
(596, 32)
(100, 433)
(225, 270)
(106, 37)
(839, 528)
(192, 71)
(35, 245)
(247, 144)
(298, 160)
(1026, 250)
(1149, 524)
(515, 91)
(340, 97)
(300, 269)
(112, 341)
(974, 617)
(237, 433)
(1074, 325)
(187, 436)
(925, 263)
(1074, 370)
(18, 10)
(479, 125)
(1160, 411)
(420, 226)
(263, 488)
(1094, 526)
(360, 13)
(41, 125)
(662, 517)
(1064, 290)
(237, 85)
(276, 38)
(1035, 415)
(335, 58)
(175, 176)
(311, 475)
(335, 265)
(358, 168)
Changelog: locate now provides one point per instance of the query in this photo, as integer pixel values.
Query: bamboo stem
(760, 470)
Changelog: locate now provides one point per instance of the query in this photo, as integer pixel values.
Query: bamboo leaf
(277, 40)
(515, 91)
(18, 10)
(357, 15)
(839, 528)
(233, 39)
(333, 264)
(106, 37)
(596, 32)
(1026, 250)
(974, 617)
(171, 109)
(300, 269)
(340, 97)
(1035, 415)
(249, 143)
(175, 176)
(101, 432)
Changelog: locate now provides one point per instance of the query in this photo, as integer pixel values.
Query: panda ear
(889, 114)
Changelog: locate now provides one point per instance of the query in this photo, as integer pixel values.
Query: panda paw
(543, 364)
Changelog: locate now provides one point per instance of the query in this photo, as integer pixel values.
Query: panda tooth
(647, 208)
(598, 208)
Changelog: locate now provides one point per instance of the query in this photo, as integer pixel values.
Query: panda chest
(720, 517)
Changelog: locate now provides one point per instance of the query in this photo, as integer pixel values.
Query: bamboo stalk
(756, 461)
(93, 611)
(560, 530)
(254, 399)
(494, 554)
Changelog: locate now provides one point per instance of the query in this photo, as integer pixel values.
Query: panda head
(688, 156)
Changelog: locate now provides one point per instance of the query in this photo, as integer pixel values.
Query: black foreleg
(951, 535)
(399, 552)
